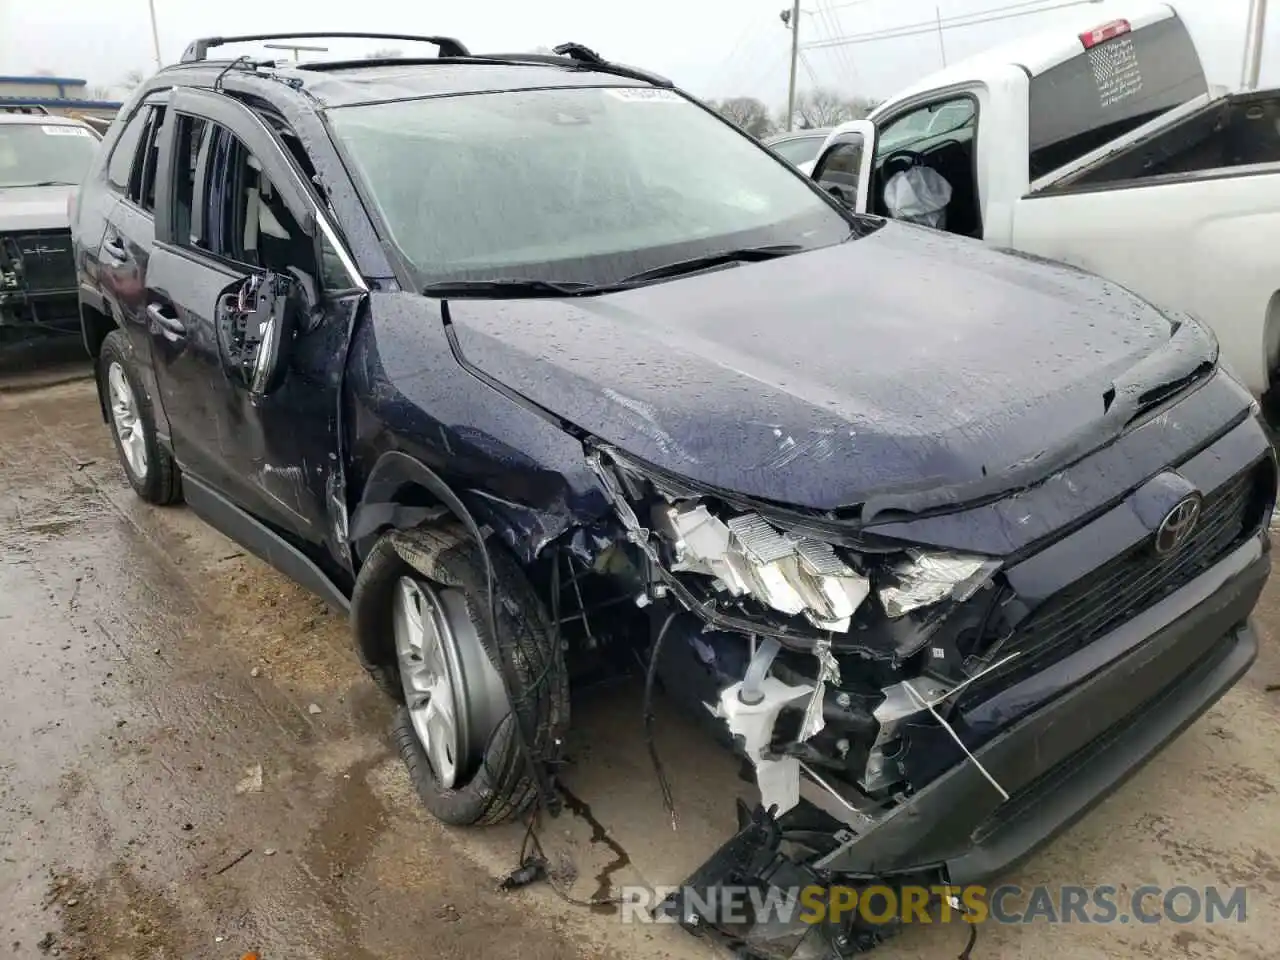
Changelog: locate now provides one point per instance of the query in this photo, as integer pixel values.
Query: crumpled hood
(905, 360)
(33, 208)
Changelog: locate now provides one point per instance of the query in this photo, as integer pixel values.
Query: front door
(233, 209)
(843, 168)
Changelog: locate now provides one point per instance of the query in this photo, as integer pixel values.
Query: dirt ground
(193, 765)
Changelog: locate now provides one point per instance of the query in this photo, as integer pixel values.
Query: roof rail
(199, 49)
(32, 108)
(582, 57)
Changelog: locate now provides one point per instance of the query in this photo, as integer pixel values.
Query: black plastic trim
(260, 540)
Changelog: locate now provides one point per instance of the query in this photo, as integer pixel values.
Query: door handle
(166, 322)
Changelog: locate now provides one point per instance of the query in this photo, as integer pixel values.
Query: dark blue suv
(537, 366)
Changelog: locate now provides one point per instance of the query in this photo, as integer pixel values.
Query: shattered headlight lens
(924, 579)
(748, 555)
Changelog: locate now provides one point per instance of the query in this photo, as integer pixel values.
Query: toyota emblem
(1178, 525)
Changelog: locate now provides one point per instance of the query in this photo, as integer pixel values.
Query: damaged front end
(844, 639)
(917, 720)
(816, 651)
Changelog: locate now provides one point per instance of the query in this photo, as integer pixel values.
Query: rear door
(232, 206)
(128, 234)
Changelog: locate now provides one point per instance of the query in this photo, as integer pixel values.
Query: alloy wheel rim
(455, 696)
(127, 421)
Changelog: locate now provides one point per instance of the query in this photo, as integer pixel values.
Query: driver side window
(840, 169)
(238, 215)
(927, 126)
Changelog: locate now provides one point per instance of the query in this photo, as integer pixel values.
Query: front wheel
(147, 465)
(420, 616)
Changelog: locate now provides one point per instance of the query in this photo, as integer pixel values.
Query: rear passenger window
(142, 181)
(126, 149)
(188, 143)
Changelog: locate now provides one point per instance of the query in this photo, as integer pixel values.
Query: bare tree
(99, 92)
(132, 79)
(386, 53)
(746, 112)
(825, 107)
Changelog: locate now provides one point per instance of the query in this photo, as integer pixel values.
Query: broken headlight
(746, 555)
(793, 574)
(924, 579)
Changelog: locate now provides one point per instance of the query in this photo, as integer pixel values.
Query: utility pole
(155, 33)
(1254, 34)
(792, 19)
(942, 44)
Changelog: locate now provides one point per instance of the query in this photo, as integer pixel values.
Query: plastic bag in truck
(919, 195)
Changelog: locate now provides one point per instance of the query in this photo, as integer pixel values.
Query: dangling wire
(668, 801)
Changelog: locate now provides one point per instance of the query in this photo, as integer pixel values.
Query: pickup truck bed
(1242, 130)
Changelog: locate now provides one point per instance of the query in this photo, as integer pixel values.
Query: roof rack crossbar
(199, 49)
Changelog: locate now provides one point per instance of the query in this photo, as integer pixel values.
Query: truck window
(940, 135)
(799, 150)
(1105, 92)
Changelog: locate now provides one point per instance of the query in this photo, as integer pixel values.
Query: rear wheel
(147, 465)
(420, 616)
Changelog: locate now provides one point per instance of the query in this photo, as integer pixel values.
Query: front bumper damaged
(1115, 704)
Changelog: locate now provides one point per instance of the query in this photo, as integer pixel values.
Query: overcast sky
(713, 48)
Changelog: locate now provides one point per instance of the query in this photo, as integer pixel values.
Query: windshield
(36, 153)
(585, 185)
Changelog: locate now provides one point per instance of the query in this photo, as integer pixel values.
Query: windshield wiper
(694, 264)
(498, 289)
(40, 183)
(516, 289)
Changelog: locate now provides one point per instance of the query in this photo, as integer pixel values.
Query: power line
(808, 68)
(959, 19)
(932, 26)
(843, 57)
(850, 3)
(747, 28)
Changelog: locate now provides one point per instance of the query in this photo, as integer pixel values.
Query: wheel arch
(402, 492)
(95, 326)
(1271, 341)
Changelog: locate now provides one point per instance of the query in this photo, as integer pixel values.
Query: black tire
(161, 483)
(502, 787)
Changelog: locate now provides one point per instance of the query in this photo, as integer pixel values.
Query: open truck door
(843, 167)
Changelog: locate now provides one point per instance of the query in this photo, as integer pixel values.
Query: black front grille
(47, 261)
(1119, 590)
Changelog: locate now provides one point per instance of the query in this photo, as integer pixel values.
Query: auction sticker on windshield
(67, 131)
(645, 95)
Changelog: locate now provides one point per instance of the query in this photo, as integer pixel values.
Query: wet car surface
(191, 752)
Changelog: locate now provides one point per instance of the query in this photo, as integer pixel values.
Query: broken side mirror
(306, 297)
(256, 322)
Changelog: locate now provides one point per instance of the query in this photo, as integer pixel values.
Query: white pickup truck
(1103, 147)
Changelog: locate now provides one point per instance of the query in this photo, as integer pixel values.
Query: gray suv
(42, 161)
